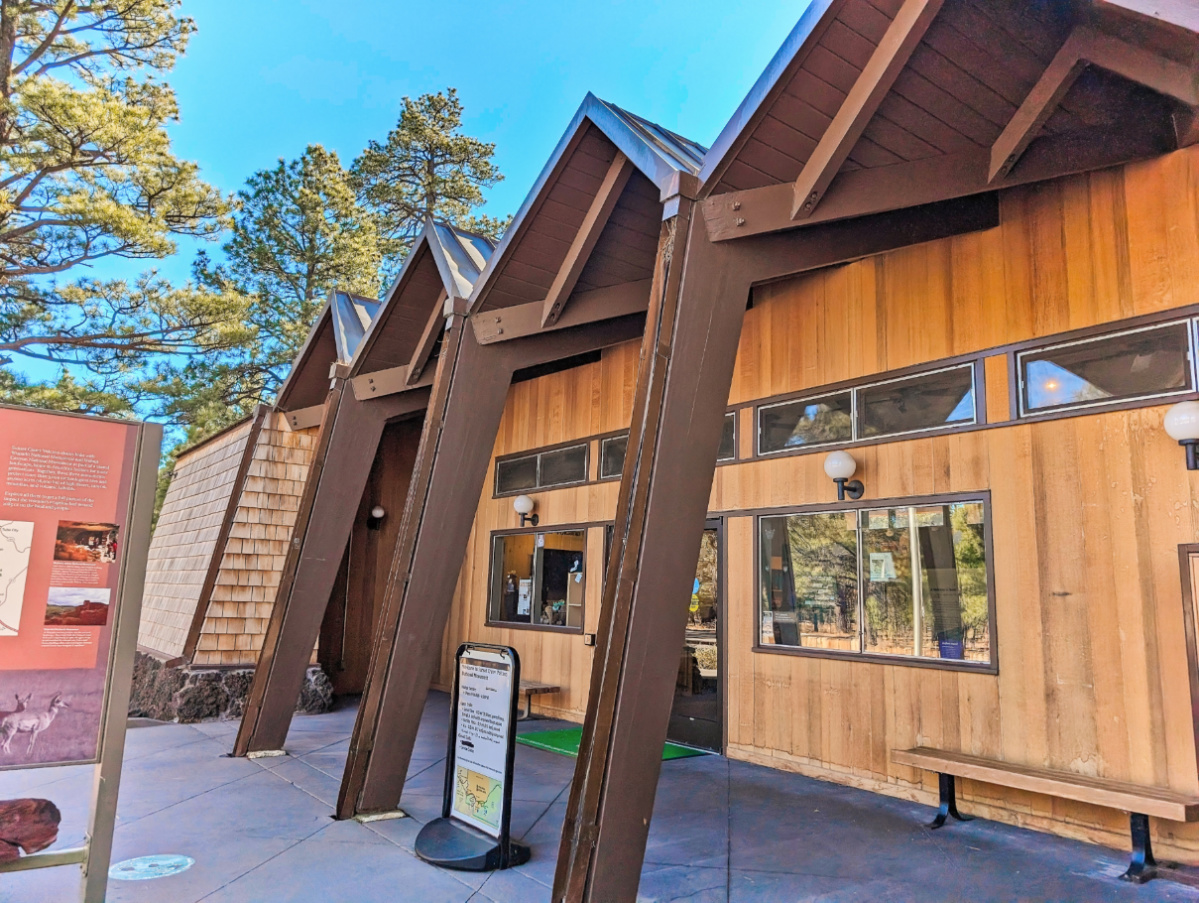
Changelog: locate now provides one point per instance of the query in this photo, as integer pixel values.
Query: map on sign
(16, 539)
(478, 796)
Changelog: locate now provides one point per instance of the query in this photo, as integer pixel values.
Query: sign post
(473, 831)
(76, 501)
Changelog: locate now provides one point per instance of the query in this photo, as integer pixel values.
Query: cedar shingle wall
(185, 540)
(245, 588)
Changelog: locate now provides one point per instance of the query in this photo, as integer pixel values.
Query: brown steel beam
(580, 249)
(683, 384)
(521, 320)
(341, 466)
(757, 211)
(902, 37)
(1087, 46)
(434, 327)
(469, 392)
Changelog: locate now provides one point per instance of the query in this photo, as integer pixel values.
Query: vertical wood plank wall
(1087, 512)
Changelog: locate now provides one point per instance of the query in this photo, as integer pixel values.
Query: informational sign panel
(65, 485)
(472, 833)
(76, 499)
(481, 732)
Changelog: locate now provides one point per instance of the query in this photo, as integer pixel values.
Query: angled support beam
(434, 327)
(467, 404)
(304, 418)
(1084, 47)
(381, 383)
(523, 320)
(348, 441)
(579, 253)
(890, 56)
(742, 214)
(683, 378)
(1186, 127)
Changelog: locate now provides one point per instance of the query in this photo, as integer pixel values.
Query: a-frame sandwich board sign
(473, 831)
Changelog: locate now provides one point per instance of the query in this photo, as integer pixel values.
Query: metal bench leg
(528, 712)
(1143, 866)
(949, 802)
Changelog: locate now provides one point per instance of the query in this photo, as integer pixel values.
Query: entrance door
(696, 718)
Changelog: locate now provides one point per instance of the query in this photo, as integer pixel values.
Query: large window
(910, 404)
(1142, 363)
(537, 579)
(897, 581)
(542, 470)
(614, 448)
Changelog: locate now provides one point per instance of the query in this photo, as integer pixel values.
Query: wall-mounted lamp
(524, 507)
(1182, 425)
(375, 518)
(840, 466)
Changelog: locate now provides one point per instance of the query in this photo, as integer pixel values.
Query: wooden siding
(1087, 511)
(244, 594)
(185, 540)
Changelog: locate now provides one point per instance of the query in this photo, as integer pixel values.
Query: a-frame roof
(612, 170)
(440, 270)
(873, 105)
(333, 339)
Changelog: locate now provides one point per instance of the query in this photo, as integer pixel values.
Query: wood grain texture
(1087, 512)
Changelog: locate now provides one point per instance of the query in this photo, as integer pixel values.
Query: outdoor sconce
(524, 507)
(376, 517)
(840, 465)
(1182, 425)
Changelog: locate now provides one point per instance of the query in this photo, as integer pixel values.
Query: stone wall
(189, 694)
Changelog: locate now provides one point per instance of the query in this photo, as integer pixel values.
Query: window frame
(606, 437)
(1022, 412)
(982, 495)
(977, 420)
(584, 444)
(488, 621)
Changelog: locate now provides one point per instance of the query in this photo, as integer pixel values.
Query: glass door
(696, 717)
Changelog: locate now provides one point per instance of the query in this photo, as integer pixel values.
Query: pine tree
(426, 168)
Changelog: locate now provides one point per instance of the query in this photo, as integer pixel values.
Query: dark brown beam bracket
(890, 56)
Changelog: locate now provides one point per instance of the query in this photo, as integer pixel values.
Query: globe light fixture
(1182, 425)
(378, 513)
(840, 466)
(375, 518)
(523, 505)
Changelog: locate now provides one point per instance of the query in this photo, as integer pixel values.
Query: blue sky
(264, 78)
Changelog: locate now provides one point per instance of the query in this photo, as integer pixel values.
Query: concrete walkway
(722, 831)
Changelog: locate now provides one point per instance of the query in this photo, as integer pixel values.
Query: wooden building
(862, 412)
(226, 522)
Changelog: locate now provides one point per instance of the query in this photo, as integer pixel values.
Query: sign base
(452, 845)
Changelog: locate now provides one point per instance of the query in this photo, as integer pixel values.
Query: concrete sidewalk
(722, 831)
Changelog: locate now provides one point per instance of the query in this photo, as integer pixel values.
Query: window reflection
(917, 403)
(906, 581)
(1146, 362)
(815, 421)
(537, 578)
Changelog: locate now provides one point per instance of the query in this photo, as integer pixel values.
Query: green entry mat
(566, 743)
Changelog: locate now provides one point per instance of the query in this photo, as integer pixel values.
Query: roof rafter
(904, 34)
(615, 179)
(1085, 47)
(428, 339)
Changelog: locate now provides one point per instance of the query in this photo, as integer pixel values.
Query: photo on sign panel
(77, 606)
(81, 541)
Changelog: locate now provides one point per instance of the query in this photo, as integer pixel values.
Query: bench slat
(532, 686)
(1167, 804)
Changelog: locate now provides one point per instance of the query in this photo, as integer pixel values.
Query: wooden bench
(531, 688)
(1139, 801)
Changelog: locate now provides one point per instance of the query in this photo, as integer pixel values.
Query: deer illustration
(24, 723)
(22, 705)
